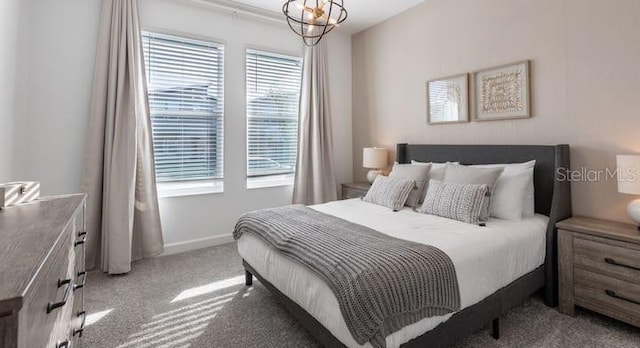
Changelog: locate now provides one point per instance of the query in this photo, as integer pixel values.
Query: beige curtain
(123, 221)
(315, 177)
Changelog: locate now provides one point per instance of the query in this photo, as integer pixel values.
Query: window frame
(205, 186)
(270, 180)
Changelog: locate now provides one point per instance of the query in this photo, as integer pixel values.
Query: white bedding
(486, 259)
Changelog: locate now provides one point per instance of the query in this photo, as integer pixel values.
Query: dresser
(599, 265)
(42, 273)
(355, 189)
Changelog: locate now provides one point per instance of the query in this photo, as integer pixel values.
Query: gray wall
(585, 72)
(10, 14)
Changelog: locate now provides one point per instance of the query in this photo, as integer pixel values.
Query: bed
(509, 261)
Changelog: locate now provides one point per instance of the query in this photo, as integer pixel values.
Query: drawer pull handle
(81, 240)
(80, 234)
(616, 263)
(80, 285)
(65, 344)
(51, 306)
(614, 295)
(84, 319)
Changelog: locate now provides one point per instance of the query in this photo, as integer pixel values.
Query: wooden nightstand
(355, 189)
(599, 264)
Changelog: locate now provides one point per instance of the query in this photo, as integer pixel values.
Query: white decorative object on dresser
(42, 272)
(13, 193)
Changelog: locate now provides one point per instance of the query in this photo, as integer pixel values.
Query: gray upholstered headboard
(552, 196)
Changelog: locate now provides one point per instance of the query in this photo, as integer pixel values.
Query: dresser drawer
(610, 296)
(7, 330)
(78, 315)
(621, 261)
(80, 236)
(44, 313)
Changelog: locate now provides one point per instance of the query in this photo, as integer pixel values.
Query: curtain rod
(238, 8)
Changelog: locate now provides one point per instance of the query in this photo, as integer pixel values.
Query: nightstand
(355, 189)
(599, 265)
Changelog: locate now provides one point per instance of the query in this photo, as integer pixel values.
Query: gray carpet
(198, 299)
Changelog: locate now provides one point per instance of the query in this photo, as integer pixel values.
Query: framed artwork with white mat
(448, 100)
(502, 92)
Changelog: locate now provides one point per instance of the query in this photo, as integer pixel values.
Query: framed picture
(502, 92)
(448, 100)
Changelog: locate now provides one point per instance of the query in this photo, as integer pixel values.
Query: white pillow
(509, 196)
(436, 173)
(514, 191)
(418, 172)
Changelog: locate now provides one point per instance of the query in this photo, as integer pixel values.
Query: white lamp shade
(628, 174)
(374, 157)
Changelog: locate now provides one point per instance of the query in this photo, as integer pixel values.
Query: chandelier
(313, 19)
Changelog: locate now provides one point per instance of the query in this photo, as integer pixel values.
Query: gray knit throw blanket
(382, 283)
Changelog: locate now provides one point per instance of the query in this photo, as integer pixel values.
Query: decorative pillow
(507, 200)
(462, 202)
(459, 174)
(389, 192)
(416, 172)
(436, 173)
(512, 179)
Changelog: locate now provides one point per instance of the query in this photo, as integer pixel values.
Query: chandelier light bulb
(313, 19)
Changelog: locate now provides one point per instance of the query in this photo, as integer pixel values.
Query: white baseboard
(194, 244)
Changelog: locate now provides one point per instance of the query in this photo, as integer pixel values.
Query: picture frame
(502, 92)
(448, 100)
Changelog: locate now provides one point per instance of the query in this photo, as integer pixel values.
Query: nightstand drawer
(621, 261)
(348, 193)
(354, 190)
(613, 297)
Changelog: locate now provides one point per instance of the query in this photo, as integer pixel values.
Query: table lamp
(374, 158)
(629, 183)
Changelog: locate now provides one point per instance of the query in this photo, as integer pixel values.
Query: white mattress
(486, 259)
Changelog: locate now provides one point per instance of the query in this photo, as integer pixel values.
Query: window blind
(273, 97)
(185, 81)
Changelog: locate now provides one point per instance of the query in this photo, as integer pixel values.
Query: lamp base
(372, 174)
(633, 209)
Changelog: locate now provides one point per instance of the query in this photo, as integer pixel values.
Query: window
(273, 96)
(185, 80)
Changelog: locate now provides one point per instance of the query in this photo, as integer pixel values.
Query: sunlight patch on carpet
(192, 306)
(209, 288)
(95, 317)
(178, 327)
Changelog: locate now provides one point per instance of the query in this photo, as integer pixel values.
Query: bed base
(461, 324)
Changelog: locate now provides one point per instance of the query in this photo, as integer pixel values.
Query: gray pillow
(459, 174)
(436, 173)
(417, 172)
(462, 202)
(389, 192)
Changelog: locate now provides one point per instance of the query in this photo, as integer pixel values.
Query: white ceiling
(362, 13)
